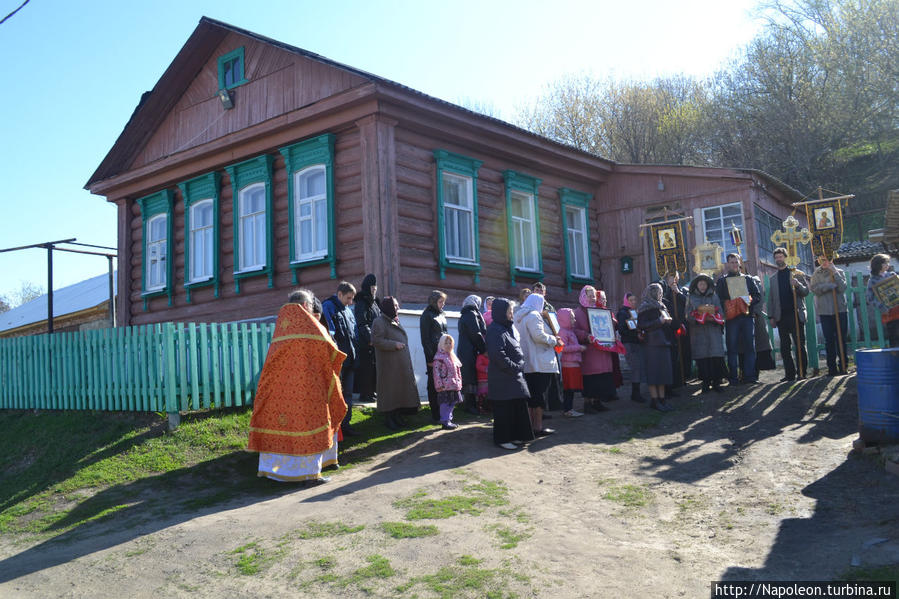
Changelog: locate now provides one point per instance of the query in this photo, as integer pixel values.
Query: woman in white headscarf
(540, 364)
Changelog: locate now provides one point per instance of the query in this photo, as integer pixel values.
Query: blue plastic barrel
(878, 394)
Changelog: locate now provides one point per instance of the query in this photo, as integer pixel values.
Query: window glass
(233, 71)
(156, 252)
(458, 217)
(523, 231)
(201, 242)
(717, 223)
(575, 219)
(252, 227)
(311, 214)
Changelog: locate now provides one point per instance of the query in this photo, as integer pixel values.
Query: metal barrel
(878, 394)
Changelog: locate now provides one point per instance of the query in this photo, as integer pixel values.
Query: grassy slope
(61, 469)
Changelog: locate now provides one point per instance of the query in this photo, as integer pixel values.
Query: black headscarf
(365, 293)
(387, 308)
(499, 309)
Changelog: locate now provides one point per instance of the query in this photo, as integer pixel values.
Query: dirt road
(756, 483)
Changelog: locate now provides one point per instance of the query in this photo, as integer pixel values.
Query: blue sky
(74, 71)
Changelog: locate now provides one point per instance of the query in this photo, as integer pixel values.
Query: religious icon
(887, 291)
(602, 326)
(666, 239)
(707, 259)
(553, 322)
(824, 218)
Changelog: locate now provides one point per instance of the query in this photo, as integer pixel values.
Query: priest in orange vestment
(299, 402)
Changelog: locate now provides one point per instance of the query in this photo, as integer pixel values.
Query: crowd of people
(518, 360)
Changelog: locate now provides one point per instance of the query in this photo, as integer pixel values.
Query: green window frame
(194, 191)
(151, 206)
(232, 66)
(318, 151)
(526, 185)
(243, 175)
(461, 168)
(580, 200)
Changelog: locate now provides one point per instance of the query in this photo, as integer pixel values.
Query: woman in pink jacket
(596, 366)
(447, 380)
(572, 355)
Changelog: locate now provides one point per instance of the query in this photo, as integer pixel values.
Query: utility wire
(14, 12)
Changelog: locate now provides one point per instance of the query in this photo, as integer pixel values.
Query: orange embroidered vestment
(299, 403)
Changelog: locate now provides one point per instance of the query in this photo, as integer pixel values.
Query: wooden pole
(680, 351)
(800, 369)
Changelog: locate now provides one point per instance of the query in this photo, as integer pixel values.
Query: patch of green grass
(479, 495)
(638, 422)
(248, 560)
(465, 579)
(59, 470)
(517, 514)
(626, 494)
(252, 558)
(50, 463)
(317, 530)
(509, 538)
(326, 563)
(404, 530)
(612, 450)
(774, 508)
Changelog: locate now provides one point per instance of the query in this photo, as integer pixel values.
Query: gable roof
(83, 295)
(155, 105)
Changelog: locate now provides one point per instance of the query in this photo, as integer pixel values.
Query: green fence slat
(225, 355)
(181, 362)
(5, 379)
(55, 371)
(194, 357)
(171, 397)
(112, 364)
(142, 368)
(203, 349)
(244, 348)
(215, 356)
(19, 383)
(238, 365)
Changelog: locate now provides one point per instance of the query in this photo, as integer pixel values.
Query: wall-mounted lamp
(661, 185)
(225, 97)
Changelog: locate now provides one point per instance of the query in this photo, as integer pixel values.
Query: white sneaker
(572, 414)
(508, 446)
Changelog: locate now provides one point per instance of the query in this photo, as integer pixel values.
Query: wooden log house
(254, 167)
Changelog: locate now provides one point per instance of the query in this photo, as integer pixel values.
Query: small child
(447, 380)
(481, 363)
(572, 354)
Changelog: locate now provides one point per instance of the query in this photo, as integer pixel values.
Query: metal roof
(84, 295)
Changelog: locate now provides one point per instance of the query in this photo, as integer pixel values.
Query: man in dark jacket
(739, 294)
(342, 325)
(675, 300)
(786, 306)
(365, 309)
(432, 325)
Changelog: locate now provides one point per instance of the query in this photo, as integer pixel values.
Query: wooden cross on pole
(790, 238)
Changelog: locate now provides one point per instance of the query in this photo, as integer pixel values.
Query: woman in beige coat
(397, 392)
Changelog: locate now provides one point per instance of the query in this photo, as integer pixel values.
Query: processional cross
(790, 238)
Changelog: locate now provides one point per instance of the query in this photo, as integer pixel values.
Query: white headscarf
(472, 300)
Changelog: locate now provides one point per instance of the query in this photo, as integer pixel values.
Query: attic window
(231, 69)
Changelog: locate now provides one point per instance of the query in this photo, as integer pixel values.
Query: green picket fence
(170, 367)
(865, 327)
